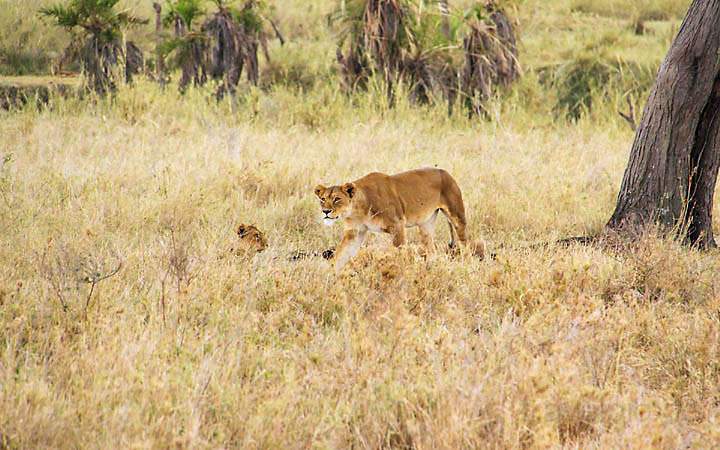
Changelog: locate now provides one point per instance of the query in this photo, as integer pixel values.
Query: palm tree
(97, 33)
(223, 47)
(436, 53)
(491, 55)
(397, 39)
(234, 35)
(187, 47)
(160, 57)
(377, 34)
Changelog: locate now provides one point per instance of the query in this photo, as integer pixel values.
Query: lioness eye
(336, 200)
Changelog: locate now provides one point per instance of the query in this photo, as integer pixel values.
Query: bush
(590, 79)
(24, 48)
(296, 66)
(23, 61)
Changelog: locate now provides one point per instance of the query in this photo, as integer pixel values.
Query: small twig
(162, 297)
(111, 274)
(630, 116)
(565, 242)
(51, 275)
(87, 302)
(278, 34)
(179, 261)
(416, 304)
(97, 278)
(263, 44)
(63, 303)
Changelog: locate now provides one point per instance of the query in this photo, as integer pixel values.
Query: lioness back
(414, 194)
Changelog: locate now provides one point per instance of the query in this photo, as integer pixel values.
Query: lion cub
(252, 240)
(390, 203)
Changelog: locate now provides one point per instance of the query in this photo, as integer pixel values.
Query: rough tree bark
(670, 177)
(134, 61)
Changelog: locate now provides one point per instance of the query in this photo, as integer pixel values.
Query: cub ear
(242, 230)
(349, 189)
(319, 189)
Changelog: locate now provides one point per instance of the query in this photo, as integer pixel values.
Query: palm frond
(186, 10)
(64, 17)
(97, 28)
(179, 45)
(125, 19)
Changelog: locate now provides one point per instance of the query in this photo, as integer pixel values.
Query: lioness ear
(242, 230)
(319, 189)
(349, 189)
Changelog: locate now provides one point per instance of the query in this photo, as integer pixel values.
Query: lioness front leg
(349, 246)
(398, 233)
(426, 237)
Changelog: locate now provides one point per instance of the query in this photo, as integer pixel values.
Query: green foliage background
(579, 57)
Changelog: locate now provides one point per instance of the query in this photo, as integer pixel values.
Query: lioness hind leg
(454, 210)
(457, 230)
(458, 225)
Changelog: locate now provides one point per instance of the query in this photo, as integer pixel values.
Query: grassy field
(189, 346)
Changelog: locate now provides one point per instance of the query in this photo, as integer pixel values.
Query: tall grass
(190, 346)
(586, 63)
(638, 10)
(26, 46)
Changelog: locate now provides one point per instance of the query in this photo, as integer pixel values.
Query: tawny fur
(390, 203)
(252, 240)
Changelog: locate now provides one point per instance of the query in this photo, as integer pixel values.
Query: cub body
(252, 240)
(390, 203)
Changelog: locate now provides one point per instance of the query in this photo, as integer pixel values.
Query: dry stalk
(630, 115)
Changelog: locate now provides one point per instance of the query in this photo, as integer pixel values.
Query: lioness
(389, 203)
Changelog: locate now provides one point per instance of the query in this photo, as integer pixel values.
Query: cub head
(335, 201)
(251, 239)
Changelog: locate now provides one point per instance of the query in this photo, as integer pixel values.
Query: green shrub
(23, 61)
(583, 82)
(27, 46)
(296, 66)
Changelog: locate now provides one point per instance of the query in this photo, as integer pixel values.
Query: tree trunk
(160, 69)
(101, 64)
(670, 177)
(134, 61)
(192, 61)
(445, 13)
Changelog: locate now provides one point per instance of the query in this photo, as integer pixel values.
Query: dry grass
(638, 9)
(188, 346)
(35, 81)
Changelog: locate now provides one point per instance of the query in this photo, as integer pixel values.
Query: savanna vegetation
(126, 321)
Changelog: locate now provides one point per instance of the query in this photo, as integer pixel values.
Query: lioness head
(251, 238)
(335, 201)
